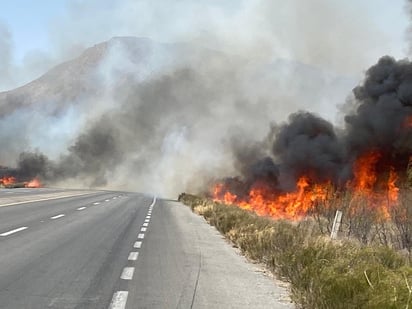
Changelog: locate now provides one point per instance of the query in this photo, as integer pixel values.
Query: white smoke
(229, 70)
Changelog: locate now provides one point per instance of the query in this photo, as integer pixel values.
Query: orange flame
(365, 184)
(365, 172)
(299, 203)
(291, 205)
(34, 183)
(393, 190)
(10, 181)
(227, 197)
(7, 180)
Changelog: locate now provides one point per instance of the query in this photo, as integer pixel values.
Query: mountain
(83, 77)
(65, 82)
(136, 114)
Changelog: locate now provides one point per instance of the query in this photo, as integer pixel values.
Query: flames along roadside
(12, 182)
(379, 190)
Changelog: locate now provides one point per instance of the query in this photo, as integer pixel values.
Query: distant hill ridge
(78, 79)
(70, 80)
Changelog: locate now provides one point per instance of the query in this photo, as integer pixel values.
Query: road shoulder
(226, 279)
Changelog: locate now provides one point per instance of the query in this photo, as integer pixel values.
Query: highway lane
(37, 212)
(68, 256)
(21, 192)
(121, 250)
(20, 195)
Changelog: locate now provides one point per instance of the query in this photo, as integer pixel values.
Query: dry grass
(322, 273)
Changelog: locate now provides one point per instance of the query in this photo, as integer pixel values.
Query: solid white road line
(154, 201)
(81, 208)
(119, 300)
(140, 236)
(14, 231)
(43, 199)
(143, 229)
(133, 256)
(57, 217)
(145, 224)
(127, 273)
(137, 244)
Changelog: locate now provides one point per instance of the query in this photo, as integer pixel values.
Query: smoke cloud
(158, 117)
(307, 145)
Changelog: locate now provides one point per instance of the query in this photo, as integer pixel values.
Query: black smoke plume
(156, 117)
(380, 119)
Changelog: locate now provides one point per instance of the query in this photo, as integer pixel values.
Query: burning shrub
(306, 161)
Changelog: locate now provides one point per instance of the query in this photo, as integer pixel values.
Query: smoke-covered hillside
(149, 116)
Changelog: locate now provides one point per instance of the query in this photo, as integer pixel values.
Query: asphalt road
(119, 250)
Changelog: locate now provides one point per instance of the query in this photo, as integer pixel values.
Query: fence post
(336, 224)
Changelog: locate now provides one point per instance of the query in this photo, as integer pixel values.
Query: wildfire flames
(306, 164)
(379, 192)
(11, 182)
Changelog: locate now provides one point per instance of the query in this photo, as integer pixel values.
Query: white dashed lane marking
(14, 231)
(133, 256)
(127, 273)
(57, 216)
(96, 203)
(119, 300)
(81, 208)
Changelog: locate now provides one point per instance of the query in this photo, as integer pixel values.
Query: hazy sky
(31, 22)
(44, 32)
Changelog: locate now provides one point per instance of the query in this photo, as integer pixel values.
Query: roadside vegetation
(368, 266)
